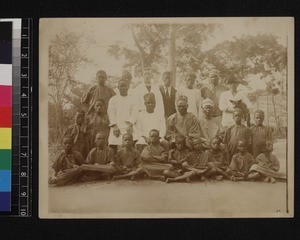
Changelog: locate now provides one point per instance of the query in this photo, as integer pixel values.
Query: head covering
(179, 137)
(182, 97)
(149, 96)
(126, 74)
(207, 102)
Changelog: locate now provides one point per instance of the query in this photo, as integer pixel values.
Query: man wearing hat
(209, 124)
(228, 97)
(214, 93)
(148, 87)
(147, 120)
(183, 122)
(126, 75)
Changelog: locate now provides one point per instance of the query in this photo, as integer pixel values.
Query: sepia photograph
(166, 117)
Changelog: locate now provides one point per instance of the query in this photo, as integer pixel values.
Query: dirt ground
(122, 197)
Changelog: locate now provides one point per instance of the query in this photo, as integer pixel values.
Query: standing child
(260, 134)
(98, 121)
(267, 165)
(196, 164)
(122, 115)
(127, 161)
(66, 168)
(154, 157)
(240, 163)
(236, 132)
(99, 161)
(77, 132)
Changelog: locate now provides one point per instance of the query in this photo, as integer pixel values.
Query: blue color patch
(5, 201)
(5, 180)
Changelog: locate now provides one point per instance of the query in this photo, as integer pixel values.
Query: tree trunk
(275, 113)
(172, 53)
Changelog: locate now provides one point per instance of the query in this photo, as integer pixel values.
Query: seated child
(240, 163)
(179, 154)
(260, 134)
(266, 165)
(196, 164)
(99, 160)
(236, 132)
(154, 157)
(127, 160)
(78, 133)
(67, 167)
(98, 121)
(220, 160)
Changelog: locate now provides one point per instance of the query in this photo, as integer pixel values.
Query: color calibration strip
(5, 115)
(20, 102)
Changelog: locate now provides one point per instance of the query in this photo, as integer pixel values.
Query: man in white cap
(148, 87)
(209, 124)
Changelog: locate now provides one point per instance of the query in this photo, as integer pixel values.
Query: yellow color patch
(5, 138)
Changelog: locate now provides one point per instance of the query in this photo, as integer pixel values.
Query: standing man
(193, 94)
(226, 101)
(214, 94)
(168, 94)
(148, 87)
(99, 91)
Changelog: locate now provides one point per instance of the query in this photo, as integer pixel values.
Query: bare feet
(188, 180)
(219, 178)
(267, 179)
(132, 178)
(272, 180)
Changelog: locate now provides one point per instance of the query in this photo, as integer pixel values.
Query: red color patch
(5, 117)
(5, 96)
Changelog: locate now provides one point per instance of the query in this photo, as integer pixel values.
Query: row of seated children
(180, 164)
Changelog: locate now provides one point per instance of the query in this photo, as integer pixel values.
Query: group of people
(166, 134)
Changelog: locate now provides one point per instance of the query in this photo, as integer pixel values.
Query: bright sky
(109, 31)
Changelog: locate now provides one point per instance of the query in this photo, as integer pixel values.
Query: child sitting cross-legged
(241, 163)
(154, 158)
(196, 164)
(99, 161)
(266, 165)
(127, 161)
(220, 160)
(67, 167)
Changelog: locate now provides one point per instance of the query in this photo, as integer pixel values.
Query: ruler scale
(21, 123)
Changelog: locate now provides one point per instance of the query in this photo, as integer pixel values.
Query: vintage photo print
(166, 117)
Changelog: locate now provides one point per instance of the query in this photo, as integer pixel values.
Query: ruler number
(23, 114)
(24, 75)
(24, 95)
(23, 194)
(23, 174)
(24, 154)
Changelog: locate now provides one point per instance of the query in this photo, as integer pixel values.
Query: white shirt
(194, 99)
(120, 110)
(224, 104)
(139, 93)
(146, 122)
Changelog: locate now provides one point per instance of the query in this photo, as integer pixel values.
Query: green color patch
(5, 159)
